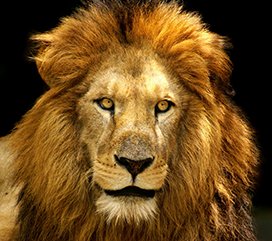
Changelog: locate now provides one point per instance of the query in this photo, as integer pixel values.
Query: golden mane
(207, 192)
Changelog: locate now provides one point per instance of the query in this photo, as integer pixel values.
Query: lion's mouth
(131, 191)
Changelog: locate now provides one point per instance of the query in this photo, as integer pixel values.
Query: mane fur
(207, 193)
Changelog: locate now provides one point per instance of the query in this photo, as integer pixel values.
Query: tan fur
(8, 209)
(202, 149)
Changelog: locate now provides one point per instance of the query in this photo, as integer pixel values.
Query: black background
(246, 24)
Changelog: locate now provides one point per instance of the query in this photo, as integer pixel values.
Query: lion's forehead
(152, 81)
(155, 79)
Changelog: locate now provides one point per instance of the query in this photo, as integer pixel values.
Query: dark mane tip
(125, 6)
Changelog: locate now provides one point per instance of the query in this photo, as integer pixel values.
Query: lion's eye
(106, 104)
(163, 106)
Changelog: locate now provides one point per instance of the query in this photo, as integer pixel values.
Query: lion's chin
(130, 205)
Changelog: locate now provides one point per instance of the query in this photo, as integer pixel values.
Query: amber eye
(163, 106)
(106, 104)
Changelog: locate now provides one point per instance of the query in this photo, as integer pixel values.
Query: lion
(138, 137)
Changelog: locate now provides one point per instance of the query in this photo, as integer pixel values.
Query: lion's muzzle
(131, 168)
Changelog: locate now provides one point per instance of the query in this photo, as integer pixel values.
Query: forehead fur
(81, 42)
(121, 82)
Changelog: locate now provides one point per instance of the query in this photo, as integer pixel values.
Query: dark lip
(131, 191)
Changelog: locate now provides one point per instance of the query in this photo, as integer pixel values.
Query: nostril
(134, 167)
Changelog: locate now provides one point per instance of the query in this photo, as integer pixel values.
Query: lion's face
(129, 115)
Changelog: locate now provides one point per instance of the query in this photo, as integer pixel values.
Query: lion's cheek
(108, 177)
(94, 125)
(154, 178)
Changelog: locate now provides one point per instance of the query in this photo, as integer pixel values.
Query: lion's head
(137, 139)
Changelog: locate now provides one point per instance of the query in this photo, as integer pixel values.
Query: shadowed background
(245, 24)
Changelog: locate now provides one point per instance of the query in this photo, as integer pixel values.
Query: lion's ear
(57, 58)
(219, 64)
(42, 47)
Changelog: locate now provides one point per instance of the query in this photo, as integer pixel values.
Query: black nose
(134, 167)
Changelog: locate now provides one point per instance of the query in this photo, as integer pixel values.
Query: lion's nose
(134, 167)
